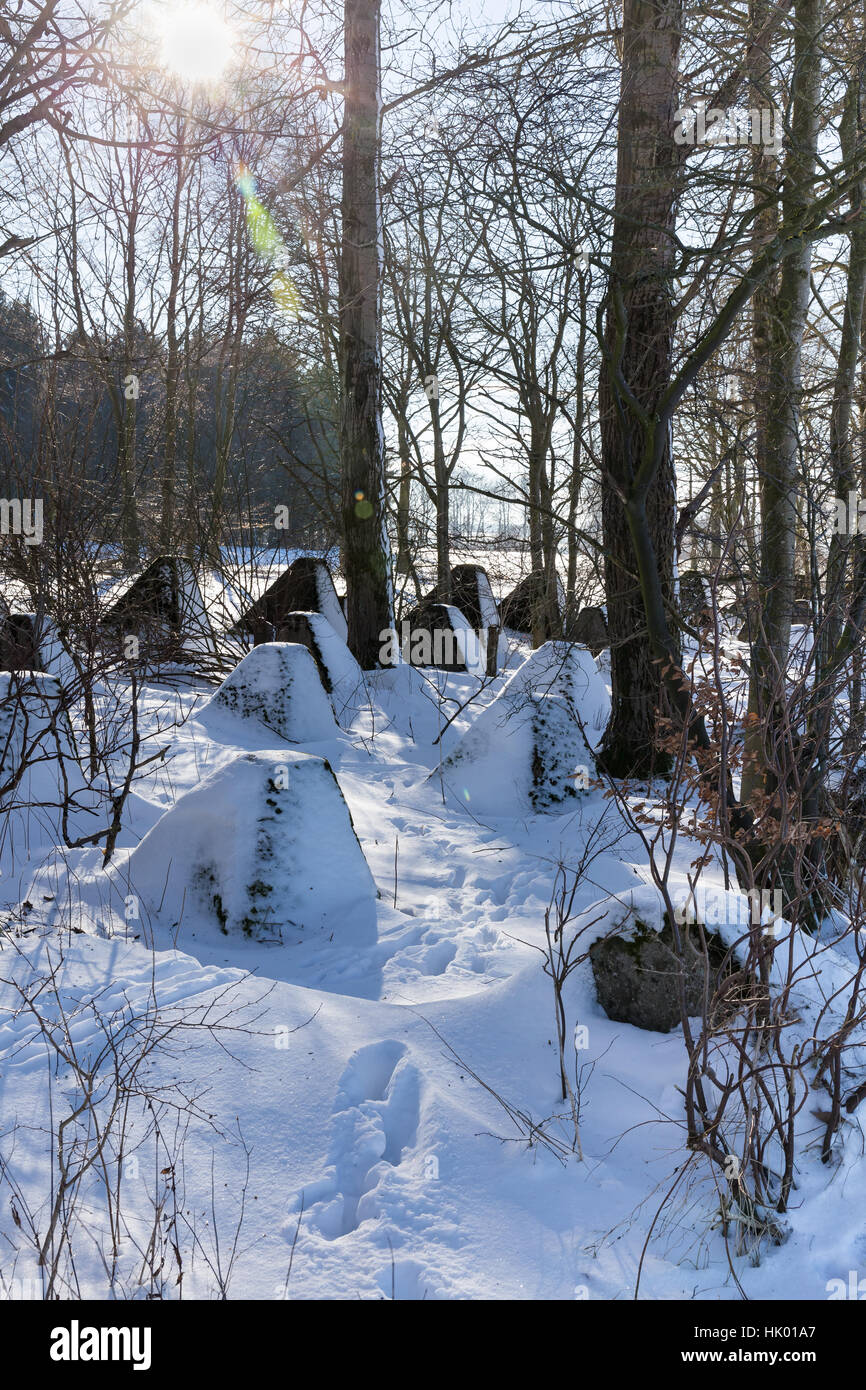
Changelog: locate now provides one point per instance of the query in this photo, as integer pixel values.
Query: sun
(197, 44)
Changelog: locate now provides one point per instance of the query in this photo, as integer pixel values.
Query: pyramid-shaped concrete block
(264, 848)
(519, 757)
(278, 685)
(339, 672)
(472, 594)
(588, 627)
(566, 669)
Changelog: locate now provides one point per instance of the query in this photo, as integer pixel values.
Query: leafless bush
(109, 1111)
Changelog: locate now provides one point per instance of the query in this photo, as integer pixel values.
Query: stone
(19, 643)
(472, 594)
(801, 616)
(637, 975)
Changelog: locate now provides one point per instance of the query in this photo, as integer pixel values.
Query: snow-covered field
(359, 1100)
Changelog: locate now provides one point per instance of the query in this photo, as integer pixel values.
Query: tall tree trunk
(639, 492)
(192, 526)
(853, 137)
(717, 509)
(362, 455)
(778, 465)
(129, 528)
(576, 479)
(172, 364)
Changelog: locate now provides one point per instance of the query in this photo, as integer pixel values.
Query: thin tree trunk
(404, 497)
(576, 479)
(129, 405)
(443, 508)
(853, 134)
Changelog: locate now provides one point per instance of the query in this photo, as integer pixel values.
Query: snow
(522, 752)
(329, 603)
(54, 655)
(408, 700)
(519, 755)
(489, 610)
(386, 1065)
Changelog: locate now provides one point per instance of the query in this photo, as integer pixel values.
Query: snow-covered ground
(364, 1104)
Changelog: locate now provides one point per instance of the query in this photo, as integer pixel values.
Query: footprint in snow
(375, 1122)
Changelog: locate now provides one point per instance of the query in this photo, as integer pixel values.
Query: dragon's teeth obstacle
(264, 848)
(472, 594)
(305, 587)
(519, 609)
(566, 669)
(339, 672)
(438, 635)
(519, 759)
(589, 628)
(162, 609)
(277, 684)
(527, 752)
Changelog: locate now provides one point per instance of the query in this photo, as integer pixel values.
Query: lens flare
(267, 242)
(197, 44)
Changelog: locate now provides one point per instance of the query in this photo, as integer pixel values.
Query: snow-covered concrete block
(472, 594)
(339, 672)
(162, 608)
(520, 756)
(520, 606)
(438, 635)
(264, 847)
(327, 600)
(566, 669)
(277, 684)
(306, 586)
